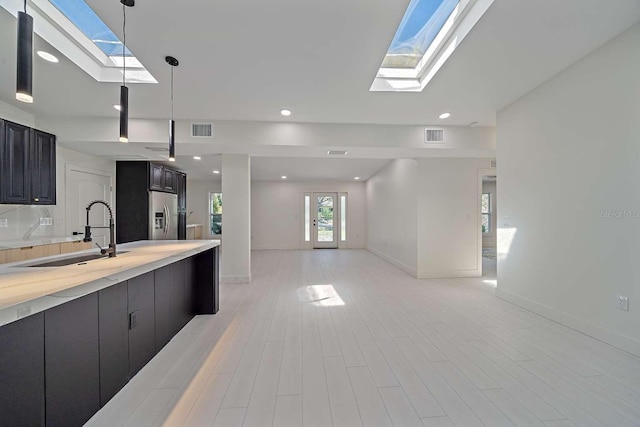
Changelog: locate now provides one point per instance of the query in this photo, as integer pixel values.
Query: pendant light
(24, 80)
(124, 90)
(173, 62)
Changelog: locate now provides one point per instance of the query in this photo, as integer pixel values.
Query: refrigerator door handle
(166, 219)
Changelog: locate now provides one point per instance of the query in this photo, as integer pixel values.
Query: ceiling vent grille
(494, 164)
(434, 136)
(336, 153)
(201, 130)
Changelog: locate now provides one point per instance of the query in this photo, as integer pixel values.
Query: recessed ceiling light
(197, 158)
(445, 115)
(216, 172)
(285, 112)
(337, 153)
(47, 56)
(117, 107)
(356, 178)
(283, 177)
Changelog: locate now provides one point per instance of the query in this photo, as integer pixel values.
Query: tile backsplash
(20, 222)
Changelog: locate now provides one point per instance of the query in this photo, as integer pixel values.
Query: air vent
(201, 130)
(434, 136)
(157, 149)
(493, 164)
(336, 153)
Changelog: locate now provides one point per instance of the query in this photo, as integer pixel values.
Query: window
(486, 213)
(215, 213)
(307, 218)
(343, 218)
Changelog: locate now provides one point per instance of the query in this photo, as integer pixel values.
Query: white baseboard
(396, 263)
(235, 279)
(623, 342)
(453, 274)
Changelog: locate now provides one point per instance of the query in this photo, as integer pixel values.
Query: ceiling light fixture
(216, 172)
(197, 158)
(283, 177)
(24, 72)
(285, 112)
(47, 56)
(117, 107)
(357, 178)
(173, 62)
(124, 90)
(445, 116)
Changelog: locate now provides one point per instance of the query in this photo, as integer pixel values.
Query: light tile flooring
(343, 338)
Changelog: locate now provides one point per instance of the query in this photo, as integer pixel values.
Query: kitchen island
(72, 336)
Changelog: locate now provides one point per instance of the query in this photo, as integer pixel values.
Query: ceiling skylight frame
(459, 23)
(60, 32)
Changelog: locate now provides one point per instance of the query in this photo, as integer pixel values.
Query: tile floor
(342, 338)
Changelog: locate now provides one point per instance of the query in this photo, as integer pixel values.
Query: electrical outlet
(623, 303)
(46, 221)
(4, 223)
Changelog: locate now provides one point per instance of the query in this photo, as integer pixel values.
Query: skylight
(427, 36)
(83, 17)
(421, 24)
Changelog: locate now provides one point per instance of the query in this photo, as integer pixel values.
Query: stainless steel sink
(74, 260)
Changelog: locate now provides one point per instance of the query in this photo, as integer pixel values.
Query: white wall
(449, 241)
(489, 239)
(198, 203)
(277, 212)
(16, 115)
(236, 218)
(392, 214)
(569, 156)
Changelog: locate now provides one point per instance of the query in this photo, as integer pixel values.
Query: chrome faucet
(112, 239)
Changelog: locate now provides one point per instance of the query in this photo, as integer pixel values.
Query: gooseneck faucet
(112, 240)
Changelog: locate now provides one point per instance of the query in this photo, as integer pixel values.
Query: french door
(325, 220)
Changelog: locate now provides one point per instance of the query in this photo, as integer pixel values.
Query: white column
(236, 218)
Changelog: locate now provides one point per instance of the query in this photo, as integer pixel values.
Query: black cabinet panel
(132, 201)
(142, 338)
(165, 312)
(156, 177)
(114, 340)
(181, 188)
(169, 180)
(182, 295)
(43, 168)
(22, 372)
(15, 185)
(207, 267)
(72, 362)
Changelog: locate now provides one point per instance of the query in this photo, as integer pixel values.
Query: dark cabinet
(142, 336)
(169, 180)
(22, 372)
(165, 311)
(72, 362)
(28, 165)
(156, 177)
(182, 205)
(113, 317)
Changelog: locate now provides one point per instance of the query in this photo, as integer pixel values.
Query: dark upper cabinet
(43, 168)
(156, 177)
(72, 362)
(22, 372)
(28, 165)
(181, 187)
(169, 180)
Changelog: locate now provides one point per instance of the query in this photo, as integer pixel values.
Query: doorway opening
(325, 220)
(489, 225)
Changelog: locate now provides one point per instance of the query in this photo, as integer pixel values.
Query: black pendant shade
(173, 62)
(24, 79)
(124, 114)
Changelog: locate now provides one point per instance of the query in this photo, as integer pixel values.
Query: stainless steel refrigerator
(163, 216)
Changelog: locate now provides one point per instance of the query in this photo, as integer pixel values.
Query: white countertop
(28, 290)
(37, 241)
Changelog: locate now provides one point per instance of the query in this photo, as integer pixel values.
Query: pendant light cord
(172, 67)
(25, 6)
(124, 44)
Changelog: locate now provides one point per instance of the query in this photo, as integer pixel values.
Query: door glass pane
(325, 218)
(307, 218)
(343, 218)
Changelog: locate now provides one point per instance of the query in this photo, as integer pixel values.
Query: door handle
(166, 219)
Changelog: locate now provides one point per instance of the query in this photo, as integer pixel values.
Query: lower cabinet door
(72, 362)
(165, 312)
(22, 372)
(114, 340)
(142, 337)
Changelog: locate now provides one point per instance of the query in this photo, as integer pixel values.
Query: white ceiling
(245, 60)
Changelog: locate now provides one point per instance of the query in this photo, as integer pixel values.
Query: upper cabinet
(162, 178)
(28, 165)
